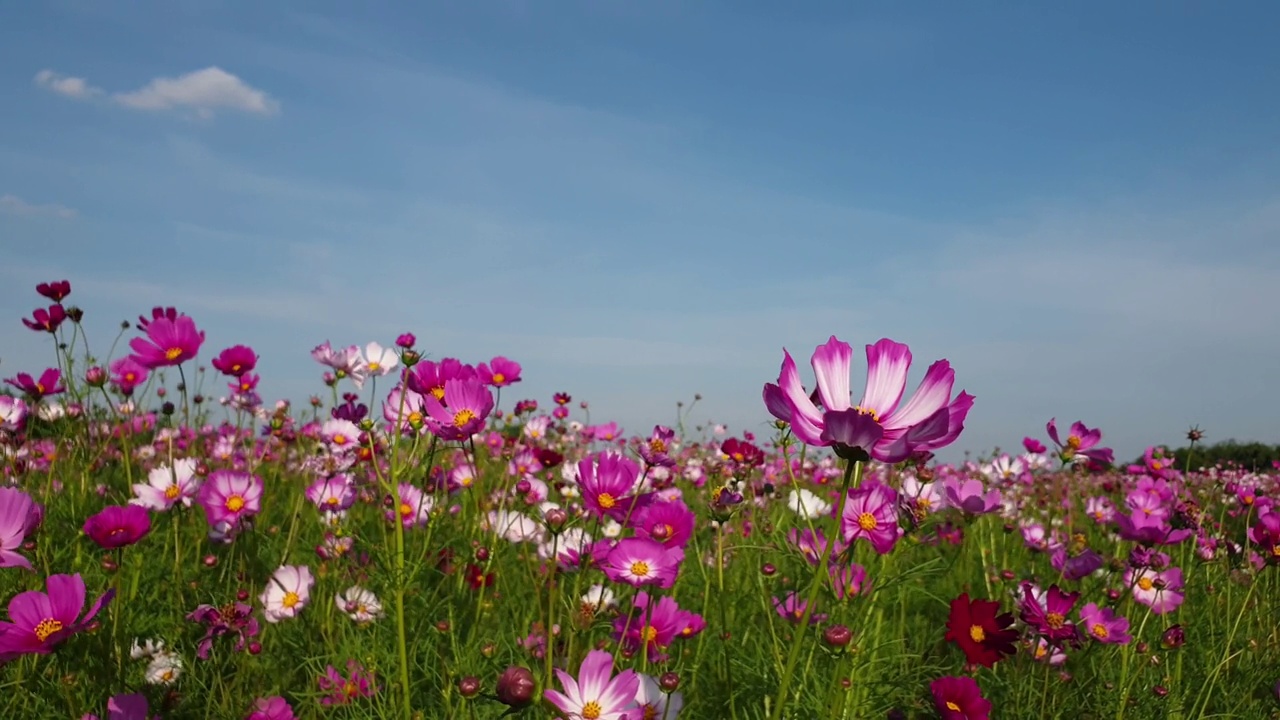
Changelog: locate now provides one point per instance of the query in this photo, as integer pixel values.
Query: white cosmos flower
(807, 505)
(164, 669)
(288, 591)
(379, 361)
(359, 604)
(147, 649)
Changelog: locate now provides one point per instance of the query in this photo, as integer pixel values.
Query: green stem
(852, 476)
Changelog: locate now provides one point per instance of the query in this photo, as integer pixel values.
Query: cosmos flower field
(420, 542)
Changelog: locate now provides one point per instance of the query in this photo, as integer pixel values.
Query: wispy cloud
(72, 87)
(202, 91)
(14, 205)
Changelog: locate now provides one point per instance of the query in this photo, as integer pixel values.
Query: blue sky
(1079, 206)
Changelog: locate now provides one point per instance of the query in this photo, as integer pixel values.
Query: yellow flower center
(130, 377)
(375, 366)
(173, 353)
(591, 711)
(1073, 442)
(415, 418)
(640, 568)
(172, 492)
(339, 439)
(47, 627)
(39, 388)
(332, 500)
(867, 411)
(1156, 465)
(235, 369)
(166, 677)
(1099, 631)
(606, 501)
(977, 634)
(290, 599)
(657, 446)
(650, 633)
(462, 417)
(739, 457)
(499, 378)
(351, 689)
(438, 392)
(234, 503)
(1145, 583)
(1054, 620)
(650, 712)
(952, 706)
(405, 509)
(867, 522)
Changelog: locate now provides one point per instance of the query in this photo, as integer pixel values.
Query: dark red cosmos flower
(743, 453)
(56, 290)
(46, 320)
(983, 635)
(959, 698)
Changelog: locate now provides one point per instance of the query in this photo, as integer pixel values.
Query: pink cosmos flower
(230, 496)
(652, 626)
(288, 591)
(878, 427)
(359, 683)
(271, 708)
(640, 561)
(1104, 626)
(463, 412)
(167, 486)
(500, 372)
(126, 707)
(127, 374)
(1080, 441)
(46, 320)
(49, 383)
(1157, 590)
(235, 361)
(16, 510)
(605, 481)
(595, 693)
(415, 506)
(970, 496)
(332, 494)
(13, 414)
(117, 526)
(871, 513)
(168, 342)
(234, 619)
(669, 522)
(39, 622)
(1048, 617)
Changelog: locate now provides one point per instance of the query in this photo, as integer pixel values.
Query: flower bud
(670, 682)
(515, 687)
(837, 636)
(469, 687)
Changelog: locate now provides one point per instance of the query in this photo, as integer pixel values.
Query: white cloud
(72, 87)
(204, 91)
(14, 205)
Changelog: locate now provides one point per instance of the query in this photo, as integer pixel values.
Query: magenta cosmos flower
(125, 707)
(229, 496)
(1103, 625)
(878, 427)
(16, 513)
(168, 342)
(871, 513)
(1080, 441)
(595, 693)
(466, 406)
(235, 361)
(500, 372)
(118, 526)
(39, 622)
(46, 320)
(605, 481)
(49, 383)
(1048, 617)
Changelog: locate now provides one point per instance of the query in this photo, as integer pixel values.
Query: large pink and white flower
(167, 486)
(288, 591)
(595, 693)
(879, 427)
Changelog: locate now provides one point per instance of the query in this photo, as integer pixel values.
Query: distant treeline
(1250, 456)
